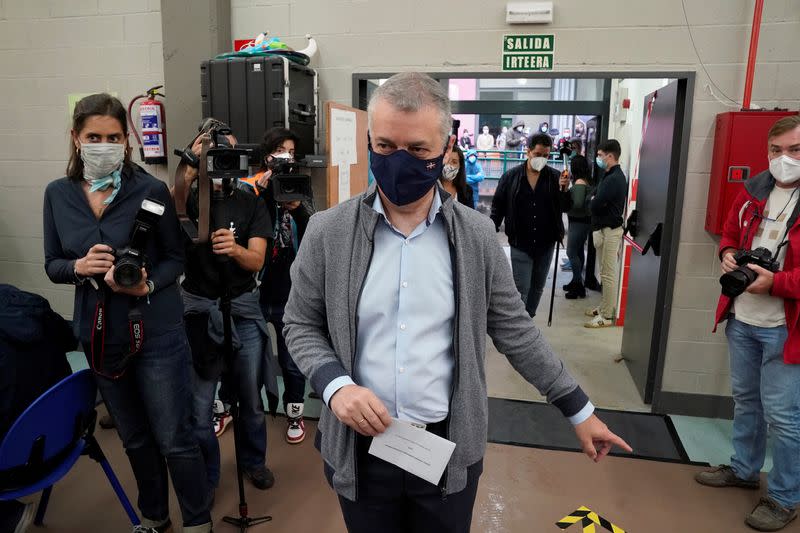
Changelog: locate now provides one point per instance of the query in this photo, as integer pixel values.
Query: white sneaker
(599, 322)
(222, 418)
(296, 430)
(595, 311)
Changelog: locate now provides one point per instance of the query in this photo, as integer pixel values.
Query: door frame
(677, 179)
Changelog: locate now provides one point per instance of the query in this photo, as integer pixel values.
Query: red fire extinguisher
(152, 123)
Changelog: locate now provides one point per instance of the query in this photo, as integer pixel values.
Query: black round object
(736, 281)
(128, 272)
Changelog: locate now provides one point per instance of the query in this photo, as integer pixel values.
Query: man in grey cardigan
(393, 293)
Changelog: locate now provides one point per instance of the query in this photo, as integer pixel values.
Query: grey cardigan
(321, 324)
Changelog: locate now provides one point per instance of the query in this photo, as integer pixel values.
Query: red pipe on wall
(751, 55)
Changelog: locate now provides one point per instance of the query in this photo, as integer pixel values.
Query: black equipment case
(253, 94)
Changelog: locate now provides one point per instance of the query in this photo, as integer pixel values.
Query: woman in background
(580, 225)
(454, 178)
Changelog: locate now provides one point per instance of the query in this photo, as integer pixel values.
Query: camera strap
(200, 232)
(116, 367)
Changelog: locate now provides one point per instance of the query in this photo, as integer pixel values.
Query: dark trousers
(530, 274)
(391, 500)
(576, 240)
(294, 382)
(152, 406)
(591, 259)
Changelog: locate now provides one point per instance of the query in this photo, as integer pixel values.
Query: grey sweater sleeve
(305, 317)
(522, 342)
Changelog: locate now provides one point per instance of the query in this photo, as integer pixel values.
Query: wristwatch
(151, 287)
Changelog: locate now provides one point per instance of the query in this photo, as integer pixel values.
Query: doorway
(616, 374)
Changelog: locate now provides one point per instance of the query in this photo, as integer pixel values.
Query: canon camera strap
(118, 364)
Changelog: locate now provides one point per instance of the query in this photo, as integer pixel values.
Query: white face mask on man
(101, 159)
(785, 169)
(537, 163)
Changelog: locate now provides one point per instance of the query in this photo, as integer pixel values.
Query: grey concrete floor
(591, 355)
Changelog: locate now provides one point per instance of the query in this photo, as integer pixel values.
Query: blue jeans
(294, 382)
(530, 275)
(202, 420)
(766, 392)
(245, 381)
(576, 240)
(151, 405)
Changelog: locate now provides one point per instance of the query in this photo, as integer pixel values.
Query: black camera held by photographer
(131, 259)
(736, 281)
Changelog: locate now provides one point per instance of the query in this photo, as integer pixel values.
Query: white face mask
(785, 169)
(284, 155)
(537, 163)
(449, 172)
(101, 159)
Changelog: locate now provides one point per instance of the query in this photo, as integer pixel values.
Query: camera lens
(128, 273)
(224, 162)
(736, 281)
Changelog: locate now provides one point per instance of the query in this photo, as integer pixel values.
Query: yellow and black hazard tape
(588, 520)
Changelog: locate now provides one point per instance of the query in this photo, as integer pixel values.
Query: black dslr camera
(131, 259)
(223, 161)
(736, 281)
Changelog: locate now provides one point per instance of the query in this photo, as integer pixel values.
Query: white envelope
(413, 449)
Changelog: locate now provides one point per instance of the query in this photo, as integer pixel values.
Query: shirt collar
(436, 206)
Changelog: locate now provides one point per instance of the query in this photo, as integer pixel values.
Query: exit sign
(528, 52)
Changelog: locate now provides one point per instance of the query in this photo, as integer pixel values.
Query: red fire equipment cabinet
(740, 152)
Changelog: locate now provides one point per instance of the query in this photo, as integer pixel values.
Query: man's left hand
(764, 281)
(223, 242)
(597, 440)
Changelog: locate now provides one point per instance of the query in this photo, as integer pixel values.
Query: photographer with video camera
(760, 253)
(226, 267)
(110, 229)
(289, 218)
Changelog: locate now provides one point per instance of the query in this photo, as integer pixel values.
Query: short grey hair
(412, 91)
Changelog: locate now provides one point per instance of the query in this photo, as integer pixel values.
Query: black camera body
(223, 161)
(736, 281)
(130, 260)
(288, 184)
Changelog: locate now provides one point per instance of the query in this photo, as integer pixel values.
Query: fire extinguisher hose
(133, 124)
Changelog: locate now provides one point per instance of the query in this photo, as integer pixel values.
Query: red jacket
(738, 233)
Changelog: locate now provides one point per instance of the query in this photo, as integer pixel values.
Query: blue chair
(48, 438)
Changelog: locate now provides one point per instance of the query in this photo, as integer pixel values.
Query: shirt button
(403, 327)
(405, 284)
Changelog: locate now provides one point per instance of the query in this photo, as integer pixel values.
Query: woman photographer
(227, 266)
(454, 178)
(289, 220)
(132, 330)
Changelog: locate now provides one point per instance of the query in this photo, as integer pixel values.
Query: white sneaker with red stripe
(296, 430)
(222, 418)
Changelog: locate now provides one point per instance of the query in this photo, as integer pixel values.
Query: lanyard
(136, 331)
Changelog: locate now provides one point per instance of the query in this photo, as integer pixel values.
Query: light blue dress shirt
(405, 321)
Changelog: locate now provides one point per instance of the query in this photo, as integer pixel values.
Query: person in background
(764, 335)
(393, 295)
(580, 224)
(454, 178)
(466, 140)
(228, 264)
(485, 140)
(501, 139)
(87, 215)
(607, 207)
(515, 140)
(34, 341)
(544, 127)
(531, 198)
(474, 175)
(289, 220)
(576, 146)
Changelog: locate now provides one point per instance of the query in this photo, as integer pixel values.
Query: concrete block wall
(49, 49)
(604, 37)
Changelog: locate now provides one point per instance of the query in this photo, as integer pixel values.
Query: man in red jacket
(764, 333)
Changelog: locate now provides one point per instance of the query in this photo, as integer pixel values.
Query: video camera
(222, 160)
(288, 182)
(131, 259)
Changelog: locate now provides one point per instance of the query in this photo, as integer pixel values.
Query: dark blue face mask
(403, 178)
